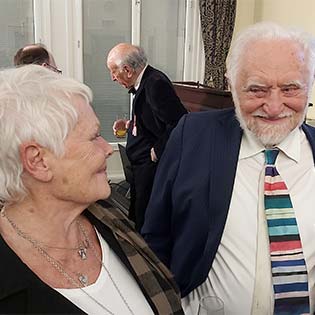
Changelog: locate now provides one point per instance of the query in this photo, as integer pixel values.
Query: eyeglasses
(53, 68)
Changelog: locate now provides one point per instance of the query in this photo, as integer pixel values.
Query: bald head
(35, 54)
(31, 54)
(125, 62)
(127, 54)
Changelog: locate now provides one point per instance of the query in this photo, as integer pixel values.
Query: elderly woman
(61, 252)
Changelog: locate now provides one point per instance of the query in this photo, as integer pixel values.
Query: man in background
(156, 110)
(35, 54)
(232, 207)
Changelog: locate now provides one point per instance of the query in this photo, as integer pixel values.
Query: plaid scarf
(155, 278)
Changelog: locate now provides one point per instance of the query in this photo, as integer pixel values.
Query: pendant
(83, 279)
(82, 253)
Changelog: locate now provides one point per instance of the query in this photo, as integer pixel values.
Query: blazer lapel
(310, 134)
(223, 163)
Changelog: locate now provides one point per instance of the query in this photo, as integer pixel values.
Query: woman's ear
(35, 160)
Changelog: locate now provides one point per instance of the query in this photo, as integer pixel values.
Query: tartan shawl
(156, 279)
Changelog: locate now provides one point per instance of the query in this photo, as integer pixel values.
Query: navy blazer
(157, 109)
(192, 191)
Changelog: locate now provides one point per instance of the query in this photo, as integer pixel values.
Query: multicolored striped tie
(289, 273)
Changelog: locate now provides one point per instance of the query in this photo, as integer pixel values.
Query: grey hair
(135, 58)
(36, 104)
(268, 31)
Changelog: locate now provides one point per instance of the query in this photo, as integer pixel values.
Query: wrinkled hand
(120, 125)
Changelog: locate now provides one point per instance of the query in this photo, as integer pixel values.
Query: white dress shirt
(233, 276)
(138, 81)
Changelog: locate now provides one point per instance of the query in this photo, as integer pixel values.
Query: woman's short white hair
(36, 104)
(268, 31)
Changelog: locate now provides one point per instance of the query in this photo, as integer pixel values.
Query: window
(162, 35)
(17, 28)
(80, 33)
(107, 23)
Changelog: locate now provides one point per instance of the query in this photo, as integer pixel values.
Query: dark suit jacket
(191, 195)
(22, 292)
(158, 109)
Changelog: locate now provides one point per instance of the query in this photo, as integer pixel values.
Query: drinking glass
(211, 305)
(121, 129)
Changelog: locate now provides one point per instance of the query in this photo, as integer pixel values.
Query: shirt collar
(291, 145)
(138, 81)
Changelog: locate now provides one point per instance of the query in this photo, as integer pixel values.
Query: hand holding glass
(120, 127)
(211, 305)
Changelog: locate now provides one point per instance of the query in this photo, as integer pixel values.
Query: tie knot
(271, 156)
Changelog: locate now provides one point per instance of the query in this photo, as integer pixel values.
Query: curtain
(217, 19)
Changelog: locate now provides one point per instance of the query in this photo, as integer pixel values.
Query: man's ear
(35, 160)
(128, 70)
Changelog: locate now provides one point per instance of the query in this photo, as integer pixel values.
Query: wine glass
(211, 305)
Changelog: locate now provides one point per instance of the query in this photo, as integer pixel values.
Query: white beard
(270, 134)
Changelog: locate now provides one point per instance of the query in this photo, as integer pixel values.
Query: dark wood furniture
(198, 97)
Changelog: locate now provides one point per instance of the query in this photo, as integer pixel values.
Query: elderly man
(228, 219)
(156, 111)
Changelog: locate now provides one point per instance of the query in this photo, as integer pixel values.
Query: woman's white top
(104, 291)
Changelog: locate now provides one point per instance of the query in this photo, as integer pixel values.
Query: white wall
(296, 13)
(245, 15)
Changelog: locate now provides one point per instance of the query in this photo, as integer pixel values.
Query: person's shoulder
(212, 115)
(309, 128)
(154, 71)
(310, 134)
(155, 74)
(199, 124)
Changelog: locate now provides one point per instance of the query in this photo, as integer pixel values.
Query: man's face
(123, 75)
(272, 89)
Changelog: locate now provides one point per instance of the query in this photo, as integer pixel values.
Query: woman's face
(79, 176)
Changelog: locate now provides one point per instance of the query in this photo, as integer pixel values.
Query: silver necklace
(85, 234)
(81, 249)
(55, 263)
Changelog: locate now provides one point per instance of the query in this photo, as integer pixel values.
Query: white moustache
(261, 114)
